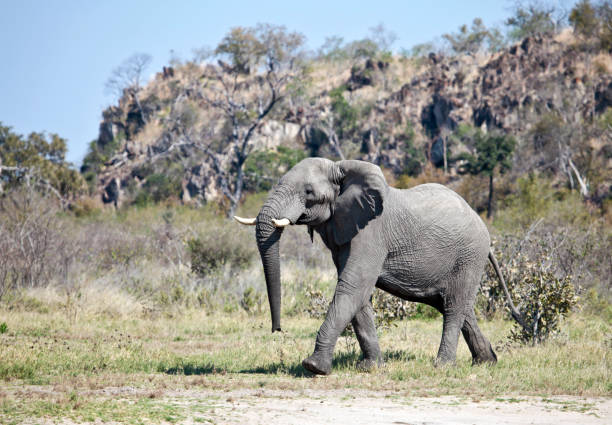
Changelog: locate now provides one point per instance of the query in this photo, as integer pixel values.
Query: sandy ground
(358, 407)
(355, 407)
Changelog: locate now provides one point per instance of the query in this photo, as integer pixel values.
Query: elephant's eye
(309, 191)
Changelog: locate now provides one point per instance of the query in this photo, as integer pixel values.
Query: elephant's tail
(516, 315)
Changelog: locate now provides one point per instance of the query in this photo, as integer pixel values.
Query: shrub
(388, 309)
(543, 292)
(346, 115)
(251, 300)
(33, 244)
(157, 188)
(211, 250)
(317, 304)
(264, 168)
(546, 298)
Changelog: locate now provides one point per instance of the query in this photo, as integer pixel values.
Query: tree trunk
(490, 203)
(235, 200)
(142, 115)
(584, 191)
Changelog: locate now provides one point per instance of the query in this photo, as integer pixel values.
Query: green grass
(88, 409)
(72, 360)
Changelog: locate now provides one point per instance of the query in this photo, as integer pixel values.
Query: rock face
(407, 124)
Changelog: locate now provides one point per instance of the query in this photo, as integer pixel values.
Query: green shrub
(346, 115)
(541, 291)
(264, 168)
(158, 187)
(251, 301)
(545, 299)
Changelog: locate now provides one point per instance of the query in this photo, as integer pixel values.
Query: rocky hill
(400, 113)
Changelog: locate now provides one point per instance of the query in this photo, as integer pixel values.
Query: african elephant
(422, 244)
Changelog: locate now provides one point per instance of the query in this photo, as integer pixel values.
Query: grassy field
(127, 332)
(57, 365)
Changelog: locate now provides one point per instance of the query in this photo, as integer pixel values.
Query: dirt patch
(357, 407)
(347, 406)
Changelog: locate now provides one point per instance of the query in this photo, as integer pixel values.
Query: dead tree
(242, 101)
(127, 79)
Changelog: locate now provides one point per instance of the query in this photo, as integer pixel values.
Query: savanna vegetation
(162, 294)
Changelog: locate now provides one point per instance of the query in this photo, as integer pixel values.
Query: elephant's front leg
(348, 300)
(355, 285)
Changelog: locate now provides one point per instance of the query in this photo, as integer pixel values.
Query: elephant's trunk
(282, 203)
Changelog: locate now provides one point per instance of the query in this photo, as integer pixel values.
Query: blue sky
(57, 55)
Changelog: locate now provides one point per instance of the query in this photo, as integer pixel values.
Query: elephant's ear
(362, 193)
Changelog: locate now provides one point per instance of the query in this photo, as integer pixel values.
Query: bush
(542, 291)
(33, 245)
(546, 298)
(251, 301)
(264, 168)
(158, 187)
(214, 249)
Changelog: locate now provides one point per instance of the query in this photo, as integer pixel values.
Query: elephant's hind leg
(453, 322)
(479, 345)
(365, 329)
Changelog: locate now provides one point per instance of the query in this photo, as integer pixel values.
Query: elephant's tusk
(246, 221)
(282, 222)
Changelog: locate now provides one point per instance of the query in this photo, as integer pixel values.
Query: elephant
(423, 244)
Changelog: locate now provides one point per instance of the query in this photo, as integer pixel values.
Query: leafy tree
(491, 151)
(583, 19)
(332, 49)
(242, 47)
(474, 39)
(593, 22)
(37, 160)
(534, 17)
(264, 168)
(346, 115)
(605, 17)
(376, 46)
(420, 50)
(157, 188)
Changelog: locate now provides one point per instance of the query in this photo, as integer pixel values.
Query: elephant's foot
(486, 357)
(318, 364)
(442, 361)
(368, 365)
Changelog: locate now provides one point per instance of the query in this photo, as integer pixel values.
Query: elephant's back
(433, 232)
(435, 205)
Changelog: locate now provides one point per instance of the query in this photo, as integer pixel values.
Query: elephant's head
(346, 194)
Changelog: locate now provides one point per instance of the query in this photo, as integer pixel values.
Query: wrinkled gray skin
(423, 244)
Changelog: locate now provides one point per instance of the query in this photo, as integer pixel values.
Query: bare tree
(127, 78)
(328, 126)
(263, 63)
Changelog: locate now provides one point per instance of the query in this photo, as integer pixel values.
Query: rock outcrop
(403, 124)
